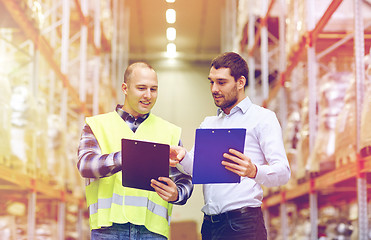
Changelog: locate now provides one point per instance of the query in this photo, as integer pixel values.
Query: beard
(226, 101)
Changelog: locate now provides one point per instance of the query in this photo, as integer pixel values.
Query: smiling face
(226, 91)
(140, 91)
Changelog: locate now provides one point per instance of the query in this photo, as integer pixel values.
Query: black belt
(230, 214)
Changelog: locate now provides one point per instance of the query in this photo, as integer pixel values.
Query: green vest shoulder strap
(152, 129)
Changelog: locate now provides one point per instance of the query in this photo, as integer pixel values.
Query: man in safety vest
(117, 212)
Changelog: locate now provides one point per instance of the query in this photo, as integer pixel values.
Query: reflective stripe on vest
(105, 203)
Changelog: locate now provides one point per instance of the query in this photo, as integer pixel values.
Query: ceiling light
(171, 33)
(171, 50)
(170, 1)
(170, 16)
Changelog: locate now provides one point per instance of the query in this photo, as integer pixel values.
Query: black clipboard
(143, 161)
(210, 144)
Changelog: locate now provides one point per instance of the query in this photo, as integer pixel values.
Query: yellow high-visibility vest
(108, 201)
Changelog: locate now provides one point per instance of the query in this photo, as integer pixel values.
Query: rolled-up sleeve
(184, 185)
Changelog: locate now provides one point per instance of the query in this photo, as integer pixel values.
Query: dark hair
(129, 70)
(234, 62)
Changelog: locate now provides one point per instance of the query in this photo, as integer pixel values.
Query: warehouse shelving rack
(353, 174)
(43, 45)
(113, 51)
(34, 188)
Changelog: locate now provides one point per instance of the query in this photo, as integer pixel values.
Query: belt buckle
(215, 218)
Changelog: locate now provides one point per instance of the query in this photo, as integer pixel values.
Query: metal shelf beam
(323, 182)
(360, 75)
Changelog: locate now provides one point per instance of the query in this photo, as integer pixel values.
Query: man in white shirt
(232, 211)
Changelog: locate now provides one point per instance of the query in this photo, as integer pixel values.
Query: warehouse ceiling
(197, 28)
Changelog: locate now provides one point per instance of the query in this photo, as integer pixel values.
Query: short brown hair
(234, 62)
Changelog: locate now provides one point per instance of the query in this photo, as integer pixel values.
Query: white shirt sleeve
(187, 162)
(277, 171)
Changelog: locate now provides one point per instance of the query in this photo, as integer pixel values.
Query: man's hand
(168, 191)
(241, 164)
(176, 155)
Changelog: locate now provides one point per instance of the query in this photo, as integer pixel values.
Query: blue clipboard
(143, 161)
(210, 145)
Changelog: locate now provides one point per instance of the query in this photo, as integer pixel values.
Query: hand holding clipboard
(143, 161)
(210, 145)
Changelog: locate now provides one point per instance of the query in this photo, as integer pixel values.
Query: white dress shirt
(263, 145)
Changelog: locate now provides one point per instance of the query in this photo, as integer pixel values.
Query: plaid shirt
(92, 164)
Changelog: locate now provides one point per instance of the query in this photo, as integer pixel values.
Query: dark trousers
(241, 224)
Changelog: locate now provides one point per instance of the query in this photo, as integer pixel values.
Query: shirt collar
(128, 117)
(242, 106)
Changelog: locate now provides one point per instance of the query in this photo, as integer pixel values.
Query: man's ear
(124, 88)
(241, 82)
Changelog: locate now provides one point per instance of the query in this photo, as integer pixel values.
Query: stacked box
(303, 143)
(57, 155)
(365, 141)
(22, 131)
(5, 93)
(332, 87)
(346, 132)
